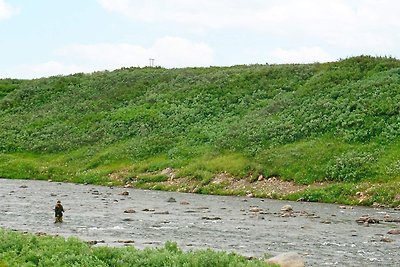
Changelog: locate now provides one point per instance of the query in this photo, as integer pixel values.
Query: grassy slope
(336, 122)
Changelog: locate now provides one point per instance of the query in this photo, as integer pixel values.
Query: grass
(25, 250)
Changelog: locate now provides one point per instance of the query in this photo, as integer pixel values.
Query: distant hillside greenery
(336, 123)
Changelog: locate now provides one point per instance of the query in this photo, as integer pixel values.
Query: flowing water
(323, 234)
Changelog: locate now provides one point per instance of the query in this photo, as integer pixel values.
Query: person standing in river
(58, 209)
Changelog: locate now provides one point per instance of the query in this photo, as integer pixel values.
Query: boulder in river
(148, 210)
(288, 259)
(287, 208)
(161, 212)
(394, 232)
(386, 239)
(125, 241)
(171, 200)
(388, 218)
(129, 211)
(367, 219)
(255, 209)
(211, 218)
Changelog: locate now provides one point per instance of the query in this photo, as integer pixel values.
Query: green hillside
(333, 126)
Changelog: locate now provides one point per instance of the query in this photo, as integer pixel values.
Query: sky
(43, 38)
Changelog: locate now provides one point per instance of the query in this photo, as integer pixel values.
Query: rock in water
(129, 211)
(255, 209)
(394, 232)
(289, 259)
(287, 208)
(171, 200)
(366, 219)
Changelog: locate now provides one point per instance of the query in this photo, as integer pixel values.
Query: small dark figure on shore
(59, 209)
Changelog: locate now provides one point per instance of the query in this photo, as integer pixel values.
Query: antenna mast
(151, 62)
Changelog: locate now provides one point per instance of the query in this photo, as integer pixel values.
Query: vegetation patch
(336, 123)
(22, 249)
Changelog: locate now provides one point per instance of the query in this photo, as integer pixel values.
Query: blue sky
(57, 37)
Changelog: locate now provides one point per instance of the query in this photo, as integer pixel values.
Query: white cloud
(46, 69)
(6, 10)
(105, 56)
(167, 51)
(191, 12)
(343, 23)
(300, 55)
(173, 52)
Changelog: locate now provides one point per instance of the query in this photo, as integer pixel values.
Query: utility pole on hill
(151, 62)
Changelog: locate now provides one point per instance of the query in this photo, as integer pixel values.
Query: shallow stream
(323, 234)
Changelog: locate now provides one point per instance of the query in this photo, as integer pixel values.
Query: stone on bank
(289, 259)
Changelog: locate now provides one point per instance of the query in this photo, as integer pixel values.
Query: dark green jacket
(59, 210)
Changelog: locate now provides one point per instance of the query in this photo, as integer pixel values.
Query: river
(323, 234)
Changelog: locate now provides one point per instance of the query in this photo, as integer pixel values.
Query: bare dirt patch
(271, 185)
(267, 186)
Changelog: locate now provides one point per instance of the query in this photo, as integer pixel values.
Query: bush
(351, 167)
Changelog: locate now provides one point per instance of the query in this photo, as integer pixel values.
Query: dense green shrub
(351, 167)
